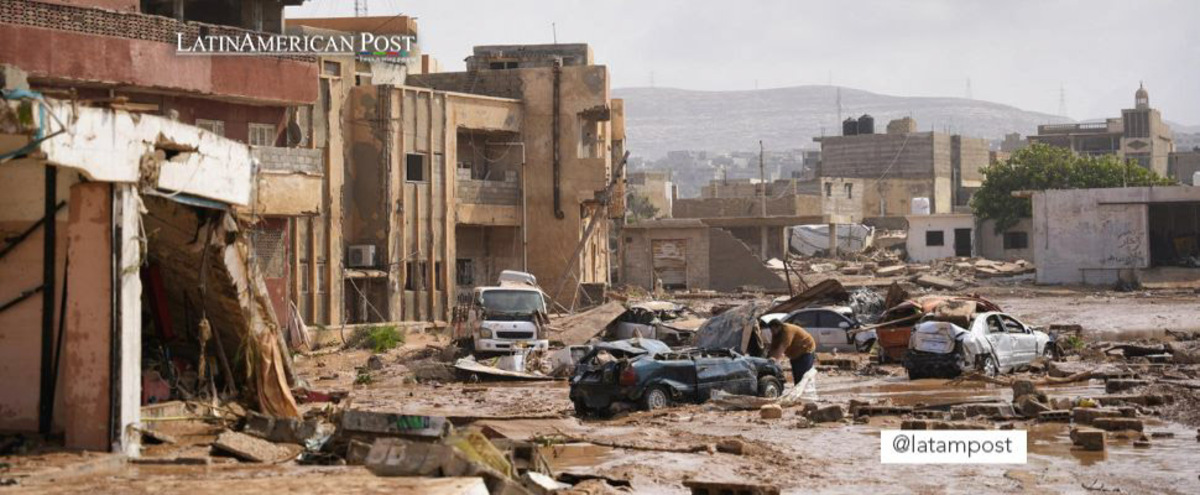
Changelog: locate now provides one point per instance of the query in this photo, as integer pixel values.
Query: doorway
(962, 242)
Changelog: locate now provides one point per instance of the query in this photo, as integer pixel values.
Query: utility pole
(762, 178)
(554, 31)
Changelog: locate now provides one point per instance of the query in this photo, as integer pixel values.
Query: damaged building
(864, 174)
(1144, 235)
(129, 194)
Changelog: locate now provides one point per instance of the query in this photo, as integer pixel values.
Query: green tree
(1040, 167)
(640, 207)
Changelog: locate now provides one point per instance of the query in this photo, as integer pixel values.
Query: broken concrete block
(731, 446)
(1162, 434)
(356, 453)
(770, 411)
(958, 413)
(891, 271)
(851, 269)
(994, 410)
(936, 282)
(827, 414)
(392, 424)
(918, 268)
(1120, 385)
(374, 363)
(1029, 407)
(1118, 424)
(400, 457)
(1141, 400)
(1088, 438)
(855, 404)
(883, 410)
(1085, 415)
(1141, 444)
(802, 423)
(1057, 416)
(1024, 387)
(823, 267)
(254, 449)
(914, 424)
(540, 484)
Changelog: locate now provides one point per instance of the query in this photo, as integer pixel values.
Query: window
(214, 126)
(330, 68)
(438, 280)
(829, 319)
(828, 189)
(262, 135)
(502, 65)
(806, 319)
(464, 272)
(1011, 325)
(1016, 240)
(935, 238)
(849, 191)
(414, 169)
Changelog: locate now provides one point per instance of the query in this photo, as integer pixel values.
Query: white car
(833, 327)
(995, 343)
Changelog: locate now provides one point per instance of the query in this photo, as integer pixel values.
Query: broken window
(414, 167)
(464, 272)
(935, 238)
(1016, 240)
(591, 138)
(849, 191)
(214, 126)
(417, 274)
(262, 135)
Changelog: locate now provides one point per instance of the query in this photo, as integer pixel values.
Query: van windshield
(512, 302)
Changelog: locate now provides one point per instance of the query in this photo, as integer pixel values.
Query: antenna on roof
(554, 31)
(360, 8)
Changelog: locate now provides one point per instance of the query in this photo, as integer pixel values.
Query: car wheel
(1048, 351)
(914, 374)
(581, 408)
(990, 367)
(865, 347)
(655, 398)
(769, 387)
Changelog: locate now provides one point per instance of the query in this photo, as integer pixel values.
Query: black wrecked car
(649, 374)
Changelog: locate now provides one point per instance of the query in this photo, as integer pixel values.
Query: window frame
(940, 236)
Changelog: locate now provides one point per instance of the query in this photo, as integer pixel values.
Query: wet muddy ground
(657, 451)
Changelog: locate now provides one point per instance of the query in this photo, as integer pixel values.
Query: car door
(1001, 342)
(722, 370)
(1024, 343)
(811, 321)
(837, 337)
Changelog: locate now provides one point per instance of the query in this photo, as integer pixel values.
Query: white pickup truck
(504, 318)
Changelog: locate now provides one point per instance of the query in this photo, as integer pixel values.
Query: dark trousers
(801, 364)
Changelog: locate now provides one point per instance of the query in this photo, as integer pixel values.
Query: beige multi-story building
(865, 175)
(1139, 134)
(656, 186)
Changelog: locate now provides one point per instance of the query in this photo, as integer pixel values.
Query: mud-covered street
(657, 451)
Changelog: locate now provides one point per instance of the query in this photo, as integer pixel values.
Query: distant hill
(659, 120)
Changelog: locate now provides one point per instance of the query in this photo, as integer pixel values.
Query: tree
(640, 207)
(1040, 167)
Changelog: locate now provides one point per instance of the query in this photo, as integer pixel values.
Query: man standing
(795, 343)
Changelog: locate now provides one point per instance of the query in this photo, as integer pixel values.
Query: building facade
(1138, 134)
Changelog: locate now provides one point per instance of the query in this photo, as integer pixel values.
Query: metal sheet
(670, 262)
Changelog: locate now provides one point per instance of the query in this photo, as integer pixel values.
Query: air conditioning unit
(362, 256)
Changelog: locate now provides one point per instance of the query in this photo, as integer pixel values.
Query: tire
(655, 398)
(914, 374)
(769, 387)
(1048, 351)
(581, 408)
(990, 367)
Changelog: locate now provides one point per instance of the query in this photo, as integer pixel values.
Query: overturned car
(650, 375)
(993, 343)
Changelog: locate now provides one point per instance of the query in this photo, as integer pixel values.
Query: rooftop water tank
(866, 124)
(920, 206)
(850, 127)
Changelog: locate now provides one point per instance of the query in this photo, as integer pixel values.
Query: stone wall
(306, 160)
(489, 192)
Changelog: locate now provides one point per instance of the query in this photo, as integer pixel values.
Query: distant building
(656, 186)
(879, 175)
(1012, 142)
(1183, 166)
(1139, 134)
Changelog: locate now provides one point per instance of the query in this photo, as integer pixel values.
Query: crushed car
(896, 324)
(991, 342)
(648, 374)
(671, 323)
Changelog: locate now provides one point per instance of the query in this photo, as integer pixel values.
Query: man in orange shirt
(793, 342)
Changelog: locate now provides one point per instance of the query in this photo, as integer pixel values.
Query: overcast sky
(1017, 52)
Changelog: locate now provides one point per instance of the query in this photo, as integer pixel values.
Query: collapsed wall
(733, 265)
